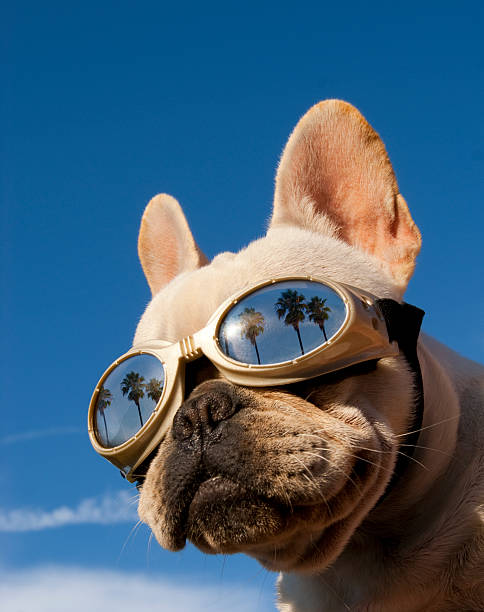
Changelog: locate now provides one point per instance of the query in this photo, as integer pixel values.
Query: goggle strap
(403, 325)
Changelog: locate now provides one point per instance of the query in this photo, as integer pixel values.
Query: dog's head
(284, 474)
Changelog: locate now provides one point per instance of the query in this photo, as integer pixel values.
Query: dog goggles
(277, 332)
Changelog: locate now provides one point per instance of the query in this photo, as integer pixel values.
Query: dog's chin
(224, 517)
(220, 515)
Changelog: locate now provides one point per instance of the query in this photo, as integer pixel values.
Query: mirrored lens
(127, 398)
(280, 322)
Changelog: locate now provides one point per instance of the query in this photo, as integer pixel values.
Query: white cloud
(117, 508)
(39, 433)
(57, 589)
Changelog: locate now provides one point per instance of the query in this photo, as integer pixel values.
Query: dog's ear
(335, 177)
(166, 246)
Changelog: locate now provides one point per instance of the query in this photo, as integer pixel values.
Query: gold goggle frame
(361, 337)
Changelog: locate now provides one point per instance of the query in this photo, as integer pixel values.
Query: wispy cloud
(78, 589)
(40, 433)
(117, 508)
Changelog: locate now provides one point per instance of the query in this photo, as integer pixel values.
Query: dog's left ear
(335, 177)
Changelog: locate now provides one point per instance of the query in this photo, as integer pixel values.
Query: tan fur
(294, 476)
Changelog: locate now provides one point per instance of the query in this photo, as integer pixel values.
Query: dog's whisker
(375, 450)
(452, 456)
(377, 465)
(313, 483)
(148, 549)
(285, 495)
(336, 467)
(132, 532)
(309, 395)
(261, 588)
(430, 448)
(311, 477)
(310, 435)
(135, 496)
(406, 433)
(320, 494)
(306, 435)
(336, 594)
(222, 567)
(414, 460)
(330, 587)
(315, 433)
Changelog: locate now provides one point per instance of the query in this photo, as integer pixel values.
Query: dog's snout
(204, 410)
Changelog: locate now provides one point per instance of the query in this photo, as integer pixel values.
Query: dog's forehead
(186, 304)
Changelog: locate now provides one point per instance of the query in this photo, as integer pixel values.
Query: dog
(299, 476)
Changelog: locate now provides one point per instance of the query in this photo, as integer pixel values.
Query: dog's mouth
(220, 514)
(215, 491)
(227, 517)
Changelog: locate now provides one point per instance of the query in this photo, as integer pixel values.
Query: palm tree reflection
(104, 400)
(318, 313)
(292, 303)
(132, 384)
(291, 307)
(252, 325)
(154, 389)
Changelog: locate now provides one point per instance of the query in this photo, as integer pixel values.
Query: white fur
(194, 296)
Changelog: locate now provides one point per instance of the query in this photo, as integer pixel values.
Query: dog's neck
(433, 452)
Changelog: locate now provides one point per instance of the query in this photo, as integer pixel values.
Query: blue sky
(106, 104)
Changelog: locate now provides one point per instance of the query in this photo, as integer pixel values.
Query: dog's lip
(216, 487)
(216, 502)
(211, 489)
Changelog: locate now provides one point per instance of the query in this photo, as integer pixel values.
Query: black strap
(403, 325)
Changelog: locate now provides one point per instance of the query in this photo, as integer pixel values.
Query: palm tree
(292, 303)
(132, 384)
(252, 324)
(154, 389)
(318, 313)
(105, 398)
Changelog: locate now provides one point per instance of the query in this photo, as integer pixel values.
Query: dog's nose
(209, 405)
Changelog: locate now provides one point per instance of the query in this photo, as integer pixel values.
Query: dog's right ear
(166, 246)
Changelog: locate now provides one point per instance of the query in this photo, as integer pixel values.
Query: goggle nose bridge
(189, 349)
(193, 358)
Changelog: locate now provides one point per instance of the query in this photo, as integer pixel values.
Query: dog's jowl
(288, 407)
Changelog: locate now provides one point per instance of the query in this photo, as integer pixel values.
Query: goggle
(278, 332)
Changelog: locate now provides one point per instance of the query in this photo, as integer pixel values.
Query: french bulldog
(299, 476)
